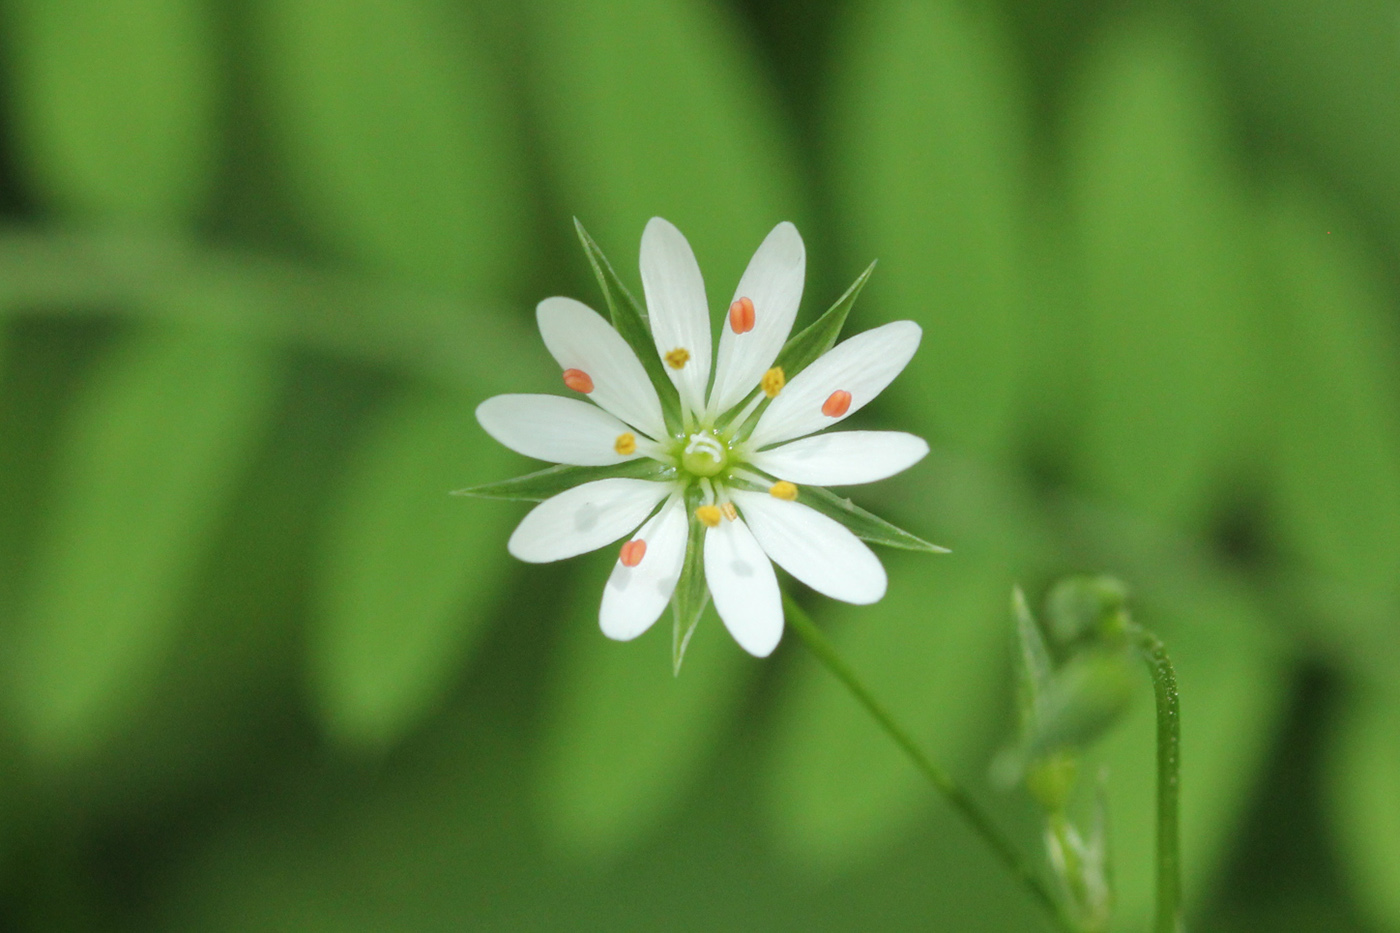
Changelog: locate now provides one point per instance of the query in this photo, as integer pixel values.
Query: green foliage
(931, 674)
(652, 108)
(624, 737)
(116, 106)
(152, 448)
(406, 587)
(397, 138)
(1168, 308)
(1364, 790)
(929, 128)
(1337, 450)
(259, 263)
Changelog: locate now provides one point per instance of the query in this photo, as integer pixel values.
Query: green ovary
(704, 455)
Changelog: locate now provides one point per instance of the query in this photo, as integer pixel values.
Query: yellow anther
(782, 489)
(677, 357)
(708, 515)
(773, 382)
(729, 511)
(626, 444)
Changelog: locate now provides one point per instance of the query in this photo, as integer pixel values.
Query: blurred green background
(260, 260)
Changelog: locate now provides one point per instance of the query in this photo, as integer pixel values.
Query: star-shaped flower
(712, 481)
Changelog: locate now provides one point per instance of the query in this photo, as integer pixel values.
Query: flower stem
(1168, 779)
(943, 782)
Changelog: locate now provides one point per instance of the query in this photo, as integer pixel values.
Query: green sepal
(536, 487)
(631, 322)
(1035, 669)
(692, 594)
(863, 524)
(1086, 697)
(819, 336)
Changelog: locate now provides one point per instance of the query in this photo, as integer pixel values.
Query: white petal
(819, 551)
(773, 282)
(560, 430)
(842, 458)
(744, 587)
(862, 366)
(680, 319)
(579, 338)
(584, 518)
(635, 596)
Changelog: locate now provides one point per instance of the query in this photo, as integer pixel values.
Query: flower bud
(1085, 606)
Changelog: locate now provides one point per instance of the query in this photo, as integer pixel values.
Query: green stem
(820, 646)
(1168, 780)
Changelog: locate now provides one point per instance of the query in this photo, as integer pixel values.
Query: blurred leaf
(1330, 83)
(406, 580)
(931, 651)
(115, 105)
(624, 736)
(1334, 352)
(657, 107)
(151, 452)
(1083, 700)
(1169, 313)
(1364, 789)
(930, 173)
(397, 136)
(424, 333)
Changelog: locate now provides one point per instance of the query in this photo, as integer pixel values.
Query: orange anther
(578, 380)
(837, 404)
(633, 552)
(741, 316)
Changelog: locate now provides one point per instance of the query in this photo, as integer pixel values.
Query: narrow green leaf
(397, 137)
(624, 738)
(404, 585)
(631, 322)
(536, 487)
(115, 105)
(1034, 669)
(692, 594)
(1363, 784)
(150, 455)
(865, 525)
(820, 335)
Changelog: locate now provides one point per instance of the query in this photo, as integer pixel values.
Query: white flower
(726, 464)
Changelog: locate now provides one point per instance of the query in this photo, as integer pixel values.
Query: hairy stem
(1168, 779)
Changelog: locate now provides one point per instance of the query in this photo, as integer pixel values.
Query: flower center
(704, 455)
